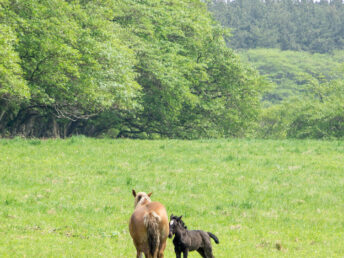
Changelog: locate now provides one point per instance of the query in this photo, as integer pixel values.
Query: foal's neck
(180, 231)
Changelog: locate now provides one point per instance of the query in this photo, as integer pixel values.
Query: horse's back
(137, 225)
(156, 207)
(159, 209)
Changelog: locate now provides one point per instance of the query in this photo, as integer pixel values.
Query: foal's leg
(208, 252)
(185, 253)
(139, 254)
(201, 252)
(178, 254)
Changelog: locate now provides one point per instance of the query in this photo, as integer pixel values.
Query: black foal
(190, 240)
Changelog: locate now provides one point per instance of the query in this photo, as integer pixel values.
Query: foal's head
(141, 197)
(176, 223)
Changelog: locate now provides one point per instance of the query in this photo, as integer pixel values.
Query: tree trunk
(71, 127)
(27, 128)
(2, 114)
(56, 131)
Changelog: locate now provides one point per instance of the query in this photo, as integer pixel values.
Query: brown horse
(148, 226)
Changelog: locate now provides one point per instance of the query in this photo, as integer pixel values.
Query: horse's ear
(171, 216)
(150, 194)
(134, 193)
(179, 218)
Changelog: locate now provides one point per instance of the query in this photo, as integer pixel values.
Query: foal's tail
(151, 221)
(213, 237)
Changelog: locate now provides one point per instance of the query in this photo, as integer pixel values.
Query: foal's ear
(179, 218)
(150, 194)
(134, 193)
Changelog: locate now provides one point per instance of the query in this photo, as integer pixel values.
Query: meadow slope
(262, 198)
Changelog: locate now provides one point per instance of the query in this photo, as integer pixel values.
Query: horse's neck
(142, 202)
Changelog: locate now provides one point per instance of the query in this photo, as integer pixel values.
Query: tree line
(123, 69)
(162, 68)
(307, 25)
(298, 47)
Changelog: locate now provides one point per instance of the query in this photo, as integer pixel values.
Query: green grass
(73, 197)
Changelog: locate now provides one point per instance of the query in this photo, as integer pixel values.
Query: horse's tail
(151, 221)
(213, 237)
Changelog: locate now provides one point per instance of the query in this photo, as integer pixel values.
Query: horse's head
(175, 223)
(141, 197)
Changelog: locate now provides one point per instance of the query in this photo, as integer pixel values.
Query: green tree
(318, 113)
(72, 61)
(127, 68)
(13, 87)
(289, 25)
(192, 84)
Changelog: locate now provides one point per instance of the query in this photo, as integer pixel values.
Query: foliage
(307, 94)
(318, 113)
(314, 26)
(307, 99)
(140, 67)
(193, 86)
(12, 83)
(291, 71)
(13, 87)
(71, 59)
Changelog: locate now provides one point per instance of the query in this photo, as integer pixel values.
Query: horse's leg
(162, 249)
(139, 254)
(185, 253)
(178, 254)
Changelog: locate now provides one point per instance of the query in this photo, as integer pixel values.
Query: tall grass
(262, 198)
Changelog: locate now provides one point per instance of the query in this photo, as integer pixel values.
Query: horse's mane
(142, 200)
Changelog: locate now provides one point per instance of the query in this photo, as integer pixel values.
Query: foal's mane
(181, 222)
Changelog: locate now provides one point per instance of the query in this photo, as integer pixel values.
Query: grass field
(262, 198)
